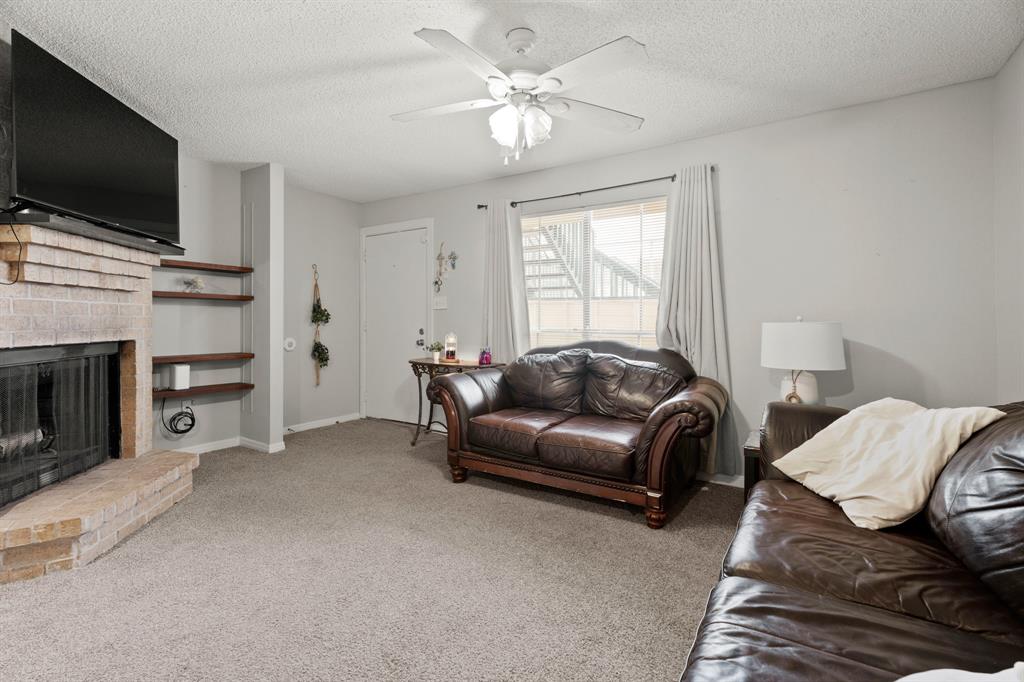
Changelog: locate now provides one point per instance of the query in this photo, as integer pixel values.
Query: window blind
(594, 273)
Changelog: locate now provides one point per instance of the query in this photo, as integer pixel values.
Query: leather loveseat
(806, 595)
(601, 418)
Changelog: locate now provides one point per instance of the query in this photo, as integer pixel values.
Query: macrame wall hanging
(321, 356)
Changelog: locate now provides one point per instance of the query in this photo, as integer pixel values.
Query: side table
(427, 367)
(751, 461)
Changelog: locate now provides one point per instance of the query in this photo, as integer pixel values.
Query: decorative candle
(451, 342)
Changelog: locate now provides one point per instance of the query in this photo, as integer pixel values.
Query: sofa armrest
(467, 395)
(694, 412)
(784, 426)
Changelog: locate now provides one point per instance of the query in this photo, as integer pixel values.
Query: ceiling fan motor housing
(523, 71)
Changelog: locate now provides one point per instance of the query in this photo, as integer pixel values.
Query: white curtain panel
(691, 313)
(506, 323)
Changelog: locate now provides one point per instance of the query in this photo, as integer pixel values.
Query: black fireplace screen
(59, 414)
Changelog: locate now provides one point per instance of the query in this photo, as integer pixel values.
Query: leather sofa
(806, 595)
(601, 418)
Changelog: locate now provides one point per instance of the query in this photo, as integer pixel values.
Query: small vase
(437, 355)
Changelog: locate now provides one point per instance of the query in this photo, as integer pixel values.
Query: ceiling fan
(529, 91)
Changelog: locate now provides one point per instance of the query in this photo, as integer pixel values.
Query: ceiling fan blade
(609, 119)
(619, 54)
(456, 49)
(453, 108)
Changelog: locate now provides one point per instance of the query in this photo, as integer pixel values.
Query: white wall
(1008, 216)
(324, 230)
(210, 206)
(877, 215)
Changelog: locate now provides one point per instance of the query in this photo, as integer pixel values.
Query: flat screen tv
(80, 152)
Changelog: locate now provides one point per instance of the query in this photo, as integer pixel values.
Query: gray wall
(877, 215)
(211, 230)
(262, 420)
(324, 230)
(1008, 214)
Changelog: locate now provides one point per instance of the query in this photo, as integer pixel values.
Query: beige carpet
(353, 556)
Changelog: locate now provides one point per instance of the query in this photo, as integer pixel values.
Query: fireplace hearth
(78, 473)
(59, 414)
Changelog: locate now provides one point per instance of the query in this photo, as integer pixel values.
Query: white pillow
(1014, 674)
(880, 461)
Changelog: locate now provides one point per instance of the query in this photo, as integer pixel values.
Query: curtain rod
(599, 189)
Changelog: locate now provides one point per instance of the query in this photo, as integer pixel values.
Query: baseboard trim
(721, 479)
(320, 423)
(256, 445)
(210, 447)
(233, 443)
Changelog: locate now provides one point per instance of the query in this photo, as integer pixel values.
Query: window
(594, 273)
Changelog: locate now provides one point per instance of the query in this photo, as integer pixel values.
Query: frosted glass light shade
(536, 126)
(505, 126)
(802, 345)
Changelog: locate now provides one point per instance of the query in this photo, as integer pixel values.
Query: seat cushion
(513, 430)
(550, 382)
(627, 389)
(789, 536)
(762, 632)
(591, 444)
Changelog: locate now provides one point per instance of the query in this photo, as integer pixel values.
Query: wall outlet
(440, 303)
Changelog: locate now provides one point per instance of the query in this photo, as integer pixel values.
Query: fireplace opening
(59, 414)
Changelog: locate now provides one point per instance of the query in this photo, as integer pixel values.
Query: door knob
(421, 330)
(419, 342)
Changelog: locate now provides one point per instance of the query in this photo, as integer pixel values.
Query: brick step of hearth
(69, 524)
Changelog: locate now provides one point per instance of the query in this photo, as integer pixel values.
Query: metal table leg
(419, 409)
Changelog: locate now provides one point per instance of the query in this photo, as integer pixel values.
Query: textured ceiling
(312, 84)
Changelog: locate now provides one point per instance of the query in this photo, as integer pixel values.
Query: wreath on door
(320, 316)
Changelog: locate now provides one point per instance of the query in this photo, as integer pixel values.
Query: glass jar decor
(451, 347)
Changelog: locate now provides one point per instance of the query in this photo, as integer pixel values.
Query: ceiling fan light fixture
(516, 131)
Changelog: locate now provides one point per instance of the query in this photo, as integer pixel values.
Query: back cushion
(627, 389)
(977, 505)
(551, 382)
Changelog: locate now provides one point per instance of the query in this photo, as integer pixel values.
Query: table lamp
(801, 346)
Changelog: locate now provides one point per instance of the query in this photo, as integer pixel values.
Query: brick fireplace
(58, 289)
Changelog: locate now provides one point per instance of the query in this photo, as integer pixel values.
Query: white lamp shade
(802, 345)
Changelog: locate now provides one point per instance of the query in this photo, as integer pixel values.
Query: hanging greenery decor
(321, 354)
(320, 316)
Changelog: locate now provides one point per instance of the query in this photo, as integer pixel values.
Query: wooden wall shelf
(202, 297)
(201, 357)
(202, 390)
(206, 267)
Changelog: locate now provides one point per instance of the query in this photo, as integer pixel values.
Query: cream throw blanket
(879, 462)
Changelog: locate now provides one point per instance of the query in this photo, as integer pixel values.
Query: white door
(395, 312)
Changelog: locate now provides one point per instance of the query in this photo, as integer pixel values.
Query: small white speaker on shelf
(180, 377)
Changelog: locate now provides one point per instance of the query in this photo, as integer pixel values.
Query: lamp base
(803, 389)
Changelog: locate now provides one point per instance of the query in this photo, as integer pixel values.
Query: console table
(429, 368)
